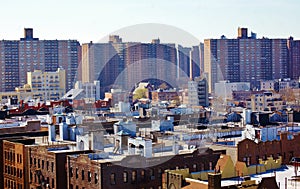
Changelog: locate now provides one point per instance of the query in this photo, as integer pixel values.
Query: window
(152, 177)
(113, 178)
(52, 166)
(43, 164)
(96, 178)
(53, 183)
(125, 177)
(143, 174)
(82, 174)
(133, 176)
(71, 172)
(195, 167)
(76, 173)
(210, 165)
(159, 173)
(89, 176)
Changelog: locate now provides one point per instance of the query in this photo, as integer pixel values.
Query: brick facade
(87, 173)
(288, 146)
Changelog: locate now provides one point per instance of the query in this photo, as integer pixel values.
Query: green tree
(140, 93)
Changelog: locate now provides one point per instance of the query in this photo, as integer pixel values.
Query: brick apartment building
(47, 166)
(86, 172)
(164, 95)
(15, 163)
(288, 146)
(21, 140)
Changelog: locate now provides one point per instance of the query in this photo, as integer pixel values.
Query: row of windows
(12, 184)
(133, 176)
(10, 156)
(42, 164)
(13, 171)
(37, 179)
(89, 175)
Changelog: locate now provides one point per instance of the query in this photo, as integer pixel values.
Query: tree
(140, 93)
(288, 95)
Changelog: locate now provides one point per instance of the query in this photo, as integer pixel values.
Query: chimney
(214, 181)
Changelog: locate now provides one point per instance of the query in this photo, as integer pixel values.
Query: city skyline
(94, 20)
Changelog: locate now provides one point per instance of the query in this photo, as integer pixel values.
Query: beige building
(266, 101)
(41, 85)
(48, 85)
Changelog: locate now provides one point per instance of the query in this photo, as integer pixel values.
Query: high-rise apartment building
(123, 64)
(245, 59)
(294, 58)
(17, 57)
(196, 61)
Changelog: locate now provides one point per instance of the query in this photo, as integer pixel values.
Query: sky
(91, 20)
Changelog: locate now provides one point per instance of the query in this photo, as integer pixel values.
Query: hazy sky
(90, 20)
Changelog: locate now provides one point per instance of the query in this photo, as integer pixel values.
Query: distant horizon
(96, 19)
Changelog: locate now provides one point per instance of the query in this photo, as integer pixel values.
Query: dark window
(71, 172)
(89, 176)
(52, 166)
(76, 173)
(82, 174)
(152, 177)
(159, 173)
(112, 178)
(96, 178)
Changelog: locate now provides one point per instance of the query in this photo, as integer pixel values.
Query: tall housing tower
(123, 64)
(245, 59)
(17, 57)
(294, 58)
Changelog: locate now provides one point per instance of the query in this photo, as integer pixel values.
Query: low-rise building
(167, 95)
(15, 163)
(224, 89)
(50, 85)
(198, 92)
(266, 101)
(134, 171)
(288, 146)
(47, 165)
